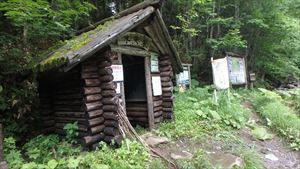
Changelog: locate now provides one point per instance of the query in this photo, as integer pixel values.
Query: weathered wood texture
(166, 74)
(109, 95)
(93, 99)
(137, 113)
(149, 92)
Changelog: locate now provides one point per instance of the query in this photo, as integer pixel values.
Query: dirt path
(286, 158)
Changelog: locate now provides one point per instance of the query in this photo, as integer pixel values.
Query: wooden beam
(149, 92)
(128, 50)
(149, 29)
(177, 62)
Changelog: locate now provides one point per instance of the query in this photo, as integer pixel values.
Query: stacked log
(110, 98)
(67, 102)
(47, 112)
(137, 113)
(92, 102)
(157, 109)
(166, 74)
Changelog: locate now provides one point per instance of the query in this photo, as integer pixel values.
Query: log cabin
(129, 56)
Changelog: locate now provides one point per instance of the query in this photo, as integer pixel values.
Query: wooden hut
(128, 56)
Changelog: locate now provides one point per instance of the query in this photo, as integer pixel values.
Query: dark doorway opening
(135, 89)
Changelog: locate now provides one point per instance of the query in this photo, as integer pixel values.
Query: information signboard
(237, 70)
(183, 77)
(117, 73)
(220, 73)
(154, 63)
(156, 86)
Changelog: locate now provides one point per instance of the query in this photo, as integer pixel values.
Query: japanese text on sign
(117, 72)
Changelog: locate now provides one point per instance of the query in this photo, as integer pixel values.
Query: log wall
(92, 99)
(137, 113)
(110, 97)
(157, 104)
(166, 74)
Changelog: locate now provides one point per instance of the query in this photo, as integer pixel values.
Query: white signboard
(237, 70)
(118, 88)
(156, 86)
(184, 77)
(220, 73)
(117, 72)
(154, 63)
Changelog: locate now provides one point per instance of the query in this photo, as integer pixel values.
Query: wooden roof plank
(116, 30)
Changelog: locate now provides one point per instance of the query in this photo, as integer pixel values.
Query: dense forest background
(266, 32)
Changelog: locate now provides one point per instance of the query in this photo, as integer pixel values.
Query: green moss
(59, 57)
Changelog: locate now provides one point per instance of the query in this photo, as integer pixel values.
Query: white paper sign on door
(156, 86)
(117, 72)
(220, 73)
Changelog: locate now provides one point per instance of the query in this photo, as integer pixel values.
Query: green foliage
(27, 29)
(71, 131)
(11, 154)
(234, 144)
(268, 38)
(261, 133)
(229, 41)
(48, 152)
(42, 148)
(130, 155)
(292, 98)
(196, 107)
(157, 163)
(199, 161)
(279, 116)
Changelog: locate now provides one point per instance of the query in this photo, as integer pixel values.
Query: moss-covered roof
(85, 45)
(58, 57)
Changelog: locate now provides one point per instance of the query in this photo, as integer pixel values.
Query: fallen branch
(128, 131)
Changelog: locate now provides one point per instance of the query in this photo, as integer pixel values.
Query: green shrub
(200, 160)
(71, 131)
(11, 154)
(42, 148)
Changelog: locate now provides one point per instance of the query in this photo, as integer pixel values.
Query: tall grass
(279, 116)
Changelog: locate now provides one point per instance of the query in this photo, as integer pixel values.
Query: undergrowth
(279, 116)
(292, 98)
(197, 113)
(47, 152)
(200, 118)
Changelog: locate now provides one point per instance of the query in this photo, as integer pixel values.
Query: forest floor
(284, 157)
(235, 150)
(280, 156)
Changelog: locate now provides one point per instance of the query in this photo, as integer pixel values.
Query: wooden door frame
(149, 92)
(148, 80)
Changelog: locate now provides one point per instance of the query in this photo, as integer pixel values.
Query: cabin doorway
(135, 90)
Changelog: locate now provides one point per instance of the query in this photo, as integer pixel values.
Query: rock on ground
(225, 160)
(181, 155)
(153, 141)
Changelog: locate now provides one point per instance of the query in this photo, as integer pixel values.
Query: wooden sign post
(3, 164)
